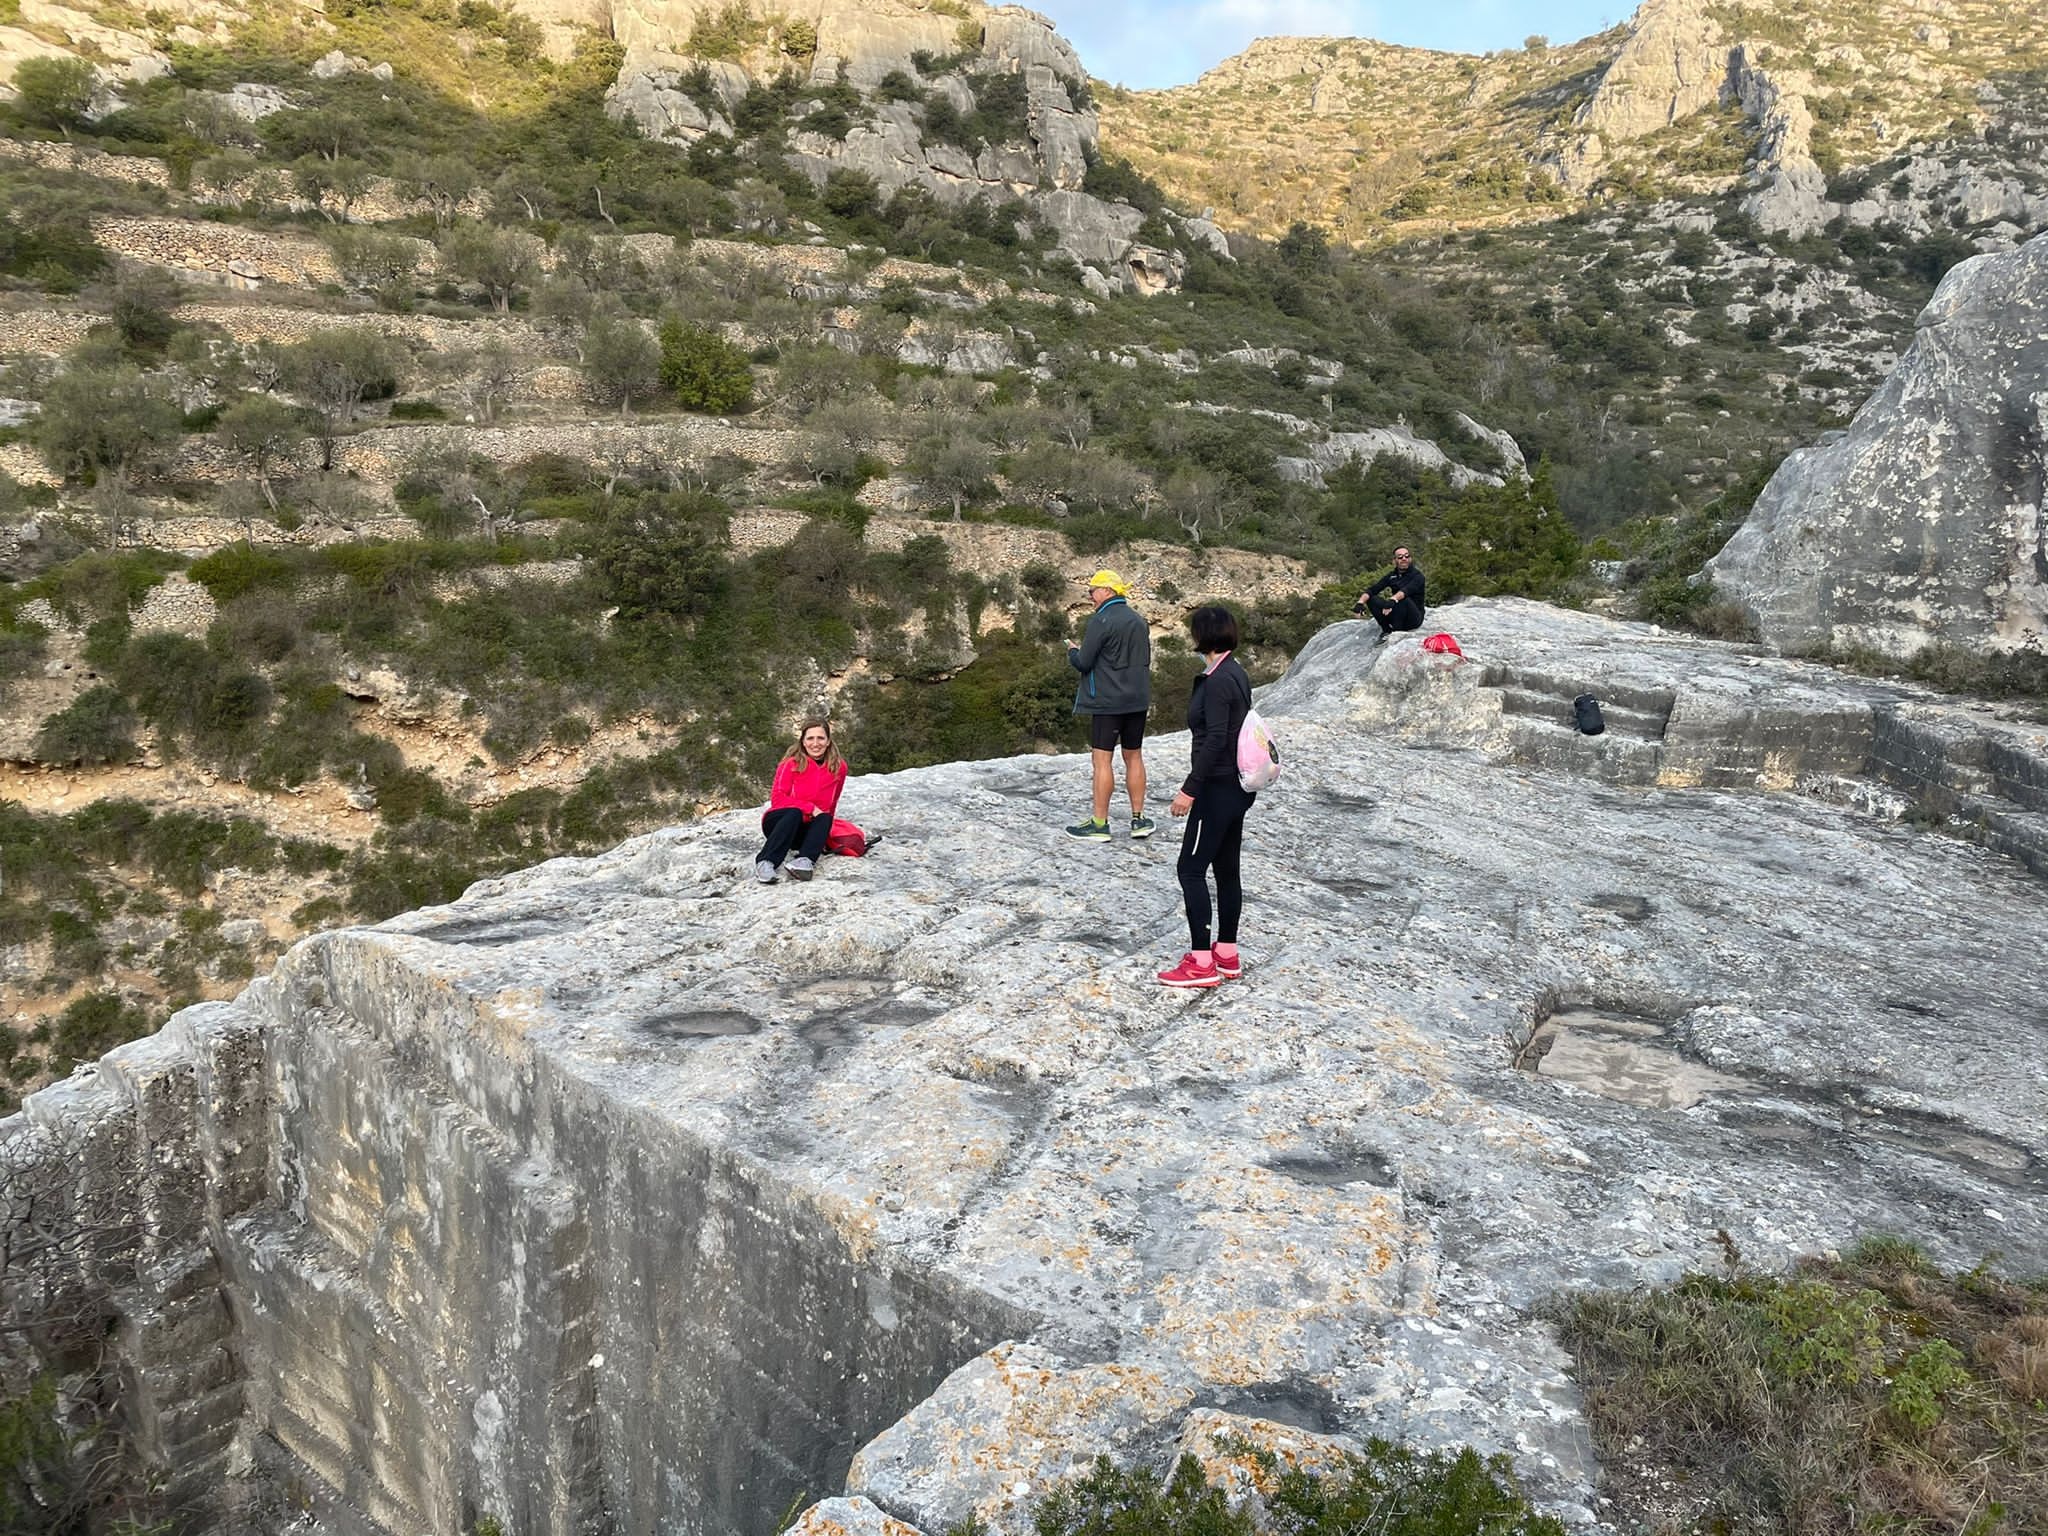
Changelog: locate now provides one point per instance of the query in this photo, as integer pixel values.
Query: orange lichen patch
(849, 1517)
(1229, 1450)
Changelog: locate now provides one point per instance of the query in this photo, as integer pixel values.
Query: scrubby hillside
(1688, 97)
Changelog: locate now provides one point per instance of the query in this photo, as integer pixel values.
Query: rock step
(2019, 776)
(1612, 759)
(1652, 703)
(2010, 830)
(1548, 707)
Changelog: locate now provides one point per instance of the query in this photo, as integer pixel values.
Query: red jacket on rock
(806, 786)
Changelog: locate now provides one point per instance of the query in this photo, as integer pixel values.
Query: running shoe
(1191, 973)
(1229, 965)
(1142, 826)
(1090, 831)
(800, 868)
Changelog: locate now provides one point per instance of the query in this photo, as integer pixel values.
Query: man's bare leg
(1134, 781)
(1105, 781)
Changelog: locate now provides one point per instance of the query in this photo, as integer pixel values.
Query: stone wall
(177, 605)
(136, 1170)
(222, 253)
(42, 332)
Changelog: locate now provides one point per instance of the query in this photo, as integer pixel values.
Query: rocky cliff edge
(628, 1185)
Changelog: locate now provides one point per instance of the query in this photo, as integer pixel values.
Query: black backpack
(1586, 710)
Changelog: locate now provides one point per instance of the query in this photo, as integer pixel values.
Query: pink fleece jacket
(807, 786)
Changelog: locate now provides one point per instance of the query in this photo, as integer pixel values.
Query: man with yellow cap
(1114, 659)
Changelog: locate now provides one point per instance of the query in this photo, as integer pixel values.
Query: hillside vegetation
(1374, 141)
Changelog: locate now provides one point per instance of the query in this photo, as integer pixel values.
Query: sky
(1150, 43)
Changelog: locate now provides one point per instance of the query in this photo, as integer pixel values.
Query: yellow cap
(1111, 580)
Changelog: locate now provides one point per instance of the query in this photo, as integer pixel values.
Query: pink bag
(846, 840)
(1442, 644)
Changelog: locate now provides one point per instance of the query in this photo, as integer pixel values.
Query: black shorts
(1106, 731)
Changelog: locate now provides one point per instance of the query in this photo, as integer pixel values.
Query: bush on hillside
(662, 557)
(95, 729)
(704, 371)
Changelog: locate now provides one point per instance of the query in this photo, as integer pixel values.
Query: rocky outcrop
(1673, 64)
(1791, 190)
(1923, 522)
(663, 87)
(1330, 451)
(628, 1185)
(1679, 61)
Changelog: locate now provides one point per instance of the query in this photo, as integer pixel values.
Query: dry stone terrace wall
(280, 256)
(626, 1194)
(222, 252)
(140, 170)
(43, 332)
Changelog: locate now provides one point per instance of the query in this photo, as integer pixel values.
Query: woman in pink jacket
(800, 805)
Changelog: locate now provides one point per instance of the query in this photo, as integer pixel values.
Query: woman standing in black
(1215, 804)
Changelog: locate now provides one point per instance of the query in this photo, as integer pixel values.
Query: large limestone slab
(1923, 522)
(645, 1187)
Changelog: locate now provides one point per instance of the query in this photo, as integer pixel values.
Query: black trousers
(784, 827)
(1214, 837)
(1394, 613)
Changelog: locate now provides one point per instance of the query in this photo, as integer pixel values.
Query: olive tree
(952, 462)
(259, 431)
(499, 261)
(621, 362)
(106, 421)
(333, 372)
(54, 92)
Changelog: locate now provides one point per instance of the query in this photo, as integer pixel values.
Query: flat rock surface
(1331, 1192)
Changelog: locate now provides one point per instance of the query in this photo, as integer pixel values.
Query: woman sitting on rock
(1215, 804)
(801, 803)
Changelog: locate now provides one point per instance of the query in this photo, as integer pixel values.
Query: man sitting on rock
(1401, 607)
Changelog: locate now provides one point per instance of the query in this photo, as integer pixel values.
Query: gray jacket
(1114, 659)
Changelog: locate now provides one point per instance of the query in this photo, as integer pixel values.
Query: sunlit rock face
(1922, 523)
(626, 1189)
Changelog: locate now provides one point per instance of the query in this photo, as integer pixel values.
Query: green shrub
(704, 371)
(91, 1026)
(1853, 1395)
(95, 729)
(727, 33)
(235, 570)
(662, 556)
(1390, 1490)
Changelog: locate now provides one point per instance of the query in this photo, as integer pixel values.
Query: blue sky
(1149, 43)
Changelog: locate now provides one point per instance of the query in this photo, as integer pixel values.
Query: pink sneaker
(1191, 973)
(1229, 964)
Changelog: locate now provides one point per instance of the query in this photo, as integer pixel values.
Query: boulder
(252, 103)
(1007, 1427)
(848, 1517)
(1923, 522)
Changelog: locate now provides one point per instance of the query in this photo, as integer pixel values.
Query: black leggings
(1214, 837)
(782, 827)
